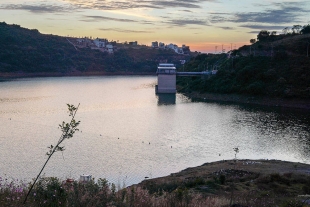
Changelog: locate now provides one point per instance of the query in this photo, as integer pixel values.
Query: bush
(49, 192)
(256, 88)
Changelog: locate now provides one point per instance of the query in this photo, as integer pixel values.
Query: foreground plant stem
(68, 129)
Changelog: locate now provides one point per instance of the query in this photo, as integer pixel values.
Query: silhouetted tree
(296, 29)
(286, 30)
(252, 41)
(273, 33)
(305, 29)
(263, 35)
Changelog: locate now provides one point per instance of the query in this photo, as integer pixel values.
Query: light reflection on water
(128, 133)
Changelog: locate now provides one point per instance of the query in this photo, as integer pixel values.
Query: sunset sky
(201, 24)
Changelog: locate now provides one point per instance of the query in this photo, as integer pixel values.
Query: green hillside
(24, 51)
(276, 66)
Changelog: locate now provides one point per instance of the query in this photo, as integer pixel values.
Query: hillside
(26, 52)
(277, 67)
(239, 182)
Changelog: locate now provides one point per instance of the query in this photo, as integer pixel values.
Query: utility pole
(308, 48)
(231, 56)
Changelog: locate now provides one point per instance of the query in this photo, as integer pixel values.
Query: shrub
(256, 88)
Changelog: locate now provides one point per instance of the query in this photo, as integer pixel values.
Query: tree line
(264, 35)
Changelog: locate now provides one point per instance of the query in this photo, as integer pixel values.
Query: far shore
(248, 99)
(4, 76)
(195, 96)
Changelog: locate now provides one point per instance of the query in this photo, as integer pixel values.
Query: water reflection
(139, 138)
(166, 99)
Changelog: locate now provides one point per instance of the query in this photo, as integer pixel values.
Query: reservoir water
(128, 133)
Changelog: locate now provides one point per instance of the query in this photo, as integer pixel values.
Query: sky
(204, 25)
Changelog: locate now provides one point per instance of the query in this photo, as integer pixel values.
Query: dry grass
(219, 184)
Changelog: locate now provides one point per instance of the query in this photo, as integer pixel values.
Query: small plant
(236, 150)
(222, 179)
(68, 130)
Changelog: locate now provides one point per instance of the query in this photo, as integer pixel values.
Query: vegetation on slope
(254, 183)
(28, 51)
(275, 66)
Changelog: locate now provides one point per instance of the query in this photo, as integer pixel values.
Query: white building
(166, 78)
(161, 45)
(100, 42)
(109, 48)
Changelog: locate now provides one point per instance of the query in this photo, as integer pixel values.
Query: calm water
(128, 133)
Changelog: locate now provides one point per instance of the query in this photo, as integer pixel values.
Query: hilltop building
(185, 49)
(155, 44)
(161, 45)
(135, 43)
(101, 43)
(109, 48)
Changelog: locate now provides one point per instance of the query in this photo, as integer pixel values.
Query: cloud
(125, 30)
(227, 28)
(285, 13)
(41, 8)
(184, 22)
(254, 32)
(264, 27)
(186, 10)
(133, 4)
(271, 16)
(103, 18)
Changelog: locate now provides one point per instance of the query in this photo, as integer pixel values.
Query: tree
(285, 30)
(273, 33)
(305, 29)
(252, 41)
(68, 129)
(296, 29)
(263, 35)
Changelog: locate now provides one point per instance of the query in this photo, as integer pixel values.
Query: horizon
(207, 26)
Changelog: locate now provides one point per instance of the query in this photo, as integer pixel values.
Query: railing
(166, 71)
(194, 73)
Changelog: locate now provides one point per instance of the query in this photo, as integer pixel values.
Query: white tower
(166, 78)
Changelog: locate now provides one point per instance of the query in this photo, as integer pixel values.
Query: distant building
(112, 43)
(161, 45)
(80, 40)
(185, 49)
(180, 50)
(135, 43)
(101, 43)
(175, 48)
(110, 48)
(171, 46)
(155, 44)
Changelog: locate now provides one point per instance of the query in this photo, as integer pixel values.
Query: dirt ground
(262, 167)
(245, 182)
